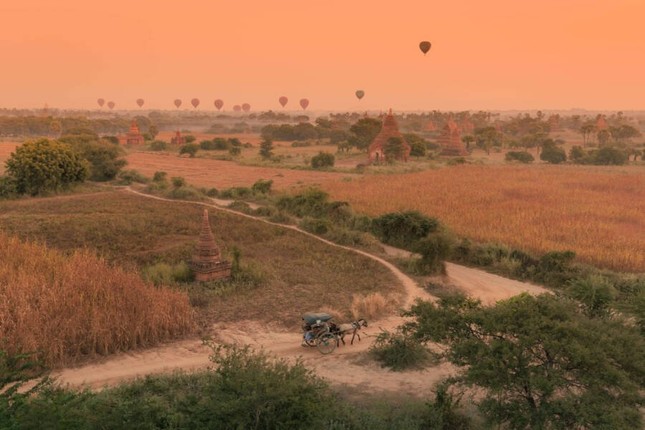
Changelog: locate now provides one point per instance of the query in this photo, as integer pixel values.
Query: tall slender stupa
(207, 261)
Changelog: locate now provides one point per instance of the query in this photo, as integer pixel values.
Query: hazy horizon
(501, 55)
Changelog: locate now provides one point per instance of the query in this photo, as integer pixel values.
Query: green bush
(434, 250)
(608, 155)
(553, 155)
(166, 274)
(322, 160)
(521, 156)
(399, 351)
(178, 181)
(158, 145)
(159, 177)
(262, 187)
(212, 192)
(185, 193)
(127, 177)
(189, 148)
(403, 229)
(315, 225)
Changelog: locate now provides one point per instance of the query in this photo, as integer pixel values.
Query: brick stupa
(134, 136)
(207, 261)
(450, 140)
(178, 139)
(389, 129)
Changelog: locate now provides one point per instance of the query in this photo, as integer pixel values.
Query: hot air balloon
(218, 104)
(304, 103)
(101, 102)
(283, 101)
(195, 103)
(177, 103)
(360, 94)
(111, 105)
(140, 102)
(246, 107)
(237, 108)
(425, 46)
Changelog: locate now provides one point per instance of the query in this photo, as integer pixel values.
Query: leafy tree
(468, 139)
(587, 130)
(603, 137)
(623, 132)
(322, 160)
(394, 149)
(262, 186)
(608, 155)
(45, 165)
(235, 151)
(577, 154)
(363, 132)
(266, 149)
(418, 145)
(189, 138)
(540, 363)
(552, 154)
(105, 159)
(487, 137)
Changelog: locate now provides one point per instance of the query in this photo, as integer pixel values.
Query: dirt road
(347, 365)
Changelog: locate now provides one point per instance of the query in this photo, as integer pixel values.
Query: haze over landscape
(498, 54)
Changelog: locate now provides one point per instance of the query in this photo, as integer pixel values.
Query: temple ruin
(133, 137)
(389, 129)
(177, 139)
(207, 261)
(450, 140)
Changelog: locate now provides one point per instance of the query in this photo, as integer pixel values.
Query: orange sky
(494, 54)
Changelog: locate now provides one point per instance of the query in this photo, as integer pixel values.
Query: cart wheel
(326, 343)
(310, 341)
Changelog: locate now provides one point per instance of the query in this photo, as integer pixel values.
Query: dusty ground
(346, 366)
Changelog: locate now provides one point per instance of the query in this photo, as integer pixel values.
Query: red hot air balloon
(425, 46)
(111, 105)
(246, 107)
(360, 94)
(140, 102)
(177, 103)
(218, 104)
(283, 101)
(195, 103)
(101, 102)
(237, 108)
(304, 103)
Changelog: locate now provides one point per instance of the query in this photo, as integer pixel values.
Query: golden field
(597, 212)
(71, 307)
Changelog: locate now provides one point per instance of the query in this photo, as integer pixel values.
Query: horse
(353, 327)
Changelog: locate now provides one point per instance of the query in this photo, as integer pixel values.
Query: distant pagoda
(389, 129)
(178, 139)
(450, 140)
(207, 261)
(134, 136)
(601, 123)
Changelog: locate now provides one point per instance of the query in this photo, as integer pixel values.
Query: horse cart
(320, 332)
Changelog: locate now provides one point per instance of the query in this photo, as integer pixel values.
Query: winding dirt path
(346, 366)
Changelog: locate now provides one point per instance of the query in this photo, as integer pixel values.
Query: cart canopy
(314, 318)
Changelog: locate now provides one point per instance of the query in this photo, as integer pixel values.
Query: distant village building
(207, 261)
(178, 139)
(389, 129)
(450, 140)
(132, 137)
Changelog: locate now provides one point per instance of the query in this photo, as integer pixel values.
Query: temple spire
(207, 263)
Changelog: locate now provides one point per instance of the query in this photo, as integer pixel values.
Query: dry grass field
(72, 307)
(597, 212)
(205, 172)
